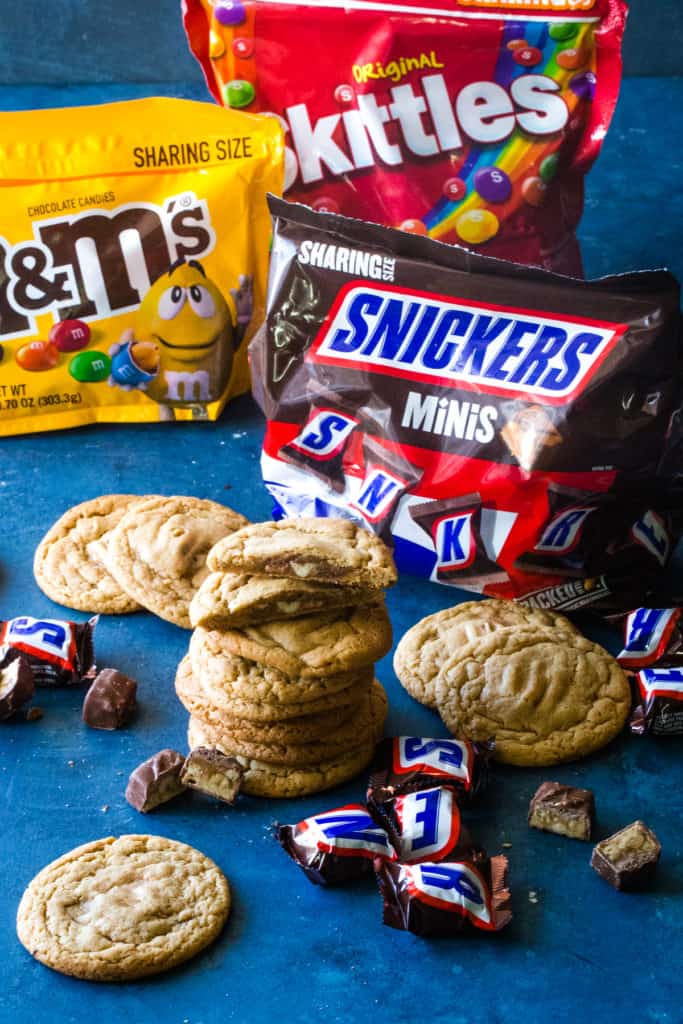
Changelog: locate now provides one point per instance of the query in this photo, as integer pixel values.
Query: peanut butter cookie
(69, 561)
(117, 909)
(326, 550)
(315, 645)
(263, 778)
(365, 725)
(429, 643)
(215, 703)
(231, 600)
(157, 553)
(543, 697)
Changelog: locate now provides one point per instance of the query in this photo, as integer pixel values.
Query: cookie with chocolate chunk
(274, 779)
(231, 600)
(324, 550)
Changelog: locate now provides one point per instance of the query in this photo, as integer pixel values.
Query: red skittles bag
(472, 121)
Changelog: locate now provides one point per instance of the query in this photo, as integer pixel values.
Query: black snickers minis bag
(510, 431)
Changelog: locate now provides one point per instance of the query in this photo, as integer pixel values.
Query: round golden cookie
(365, 725)
(68, 563)
(222, 672)
(433, 640)
(326, 550)
(342, 640)
(543, 697)
(266, 722)
(122, 908)
(262, 778)
(228, 600)
(157, 553)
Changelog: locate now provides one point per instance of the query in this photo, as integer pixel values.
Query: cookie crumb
(533, 896)
(71, 763)
(506, 846)
(34, 714)
(104, 808)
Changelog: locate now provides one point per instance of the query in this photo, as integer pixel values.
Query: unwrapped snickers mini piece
(336, 846)
(60, 653)
(564, 810)
(408, 764)
(445, 898)
(111, 701)
(155, 781)
(214, 773)
(628, 859)
(16, 684)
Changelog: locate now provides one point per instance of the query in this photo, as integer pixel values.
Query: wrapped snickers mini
(426, 826)
(60, 653)
(445, 898)
(408, 764)
(653, 657)
(336, 846)
(455, 528)
(388, 475)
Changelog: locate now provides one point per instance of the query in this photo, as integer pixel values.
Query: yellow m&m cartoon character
(182, 347)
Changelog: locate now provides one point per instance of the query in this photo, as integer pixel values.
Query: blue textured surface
(582, 952)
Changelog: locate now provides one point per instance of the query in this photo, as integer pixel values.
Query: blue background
(581, 952)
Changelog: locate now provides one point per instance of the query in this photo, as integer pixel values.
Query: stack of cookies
(522, 677)
(121, 552)
(280, 670)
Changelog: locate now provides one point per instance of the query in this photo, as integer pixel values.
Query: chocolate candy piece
(213, 773)
(628, 859)
(388, 475)
(37, 356)
(155, 781)
(454, 525)
(69, 335)
(59, 653)
(336, 846)
(658, 705)
(562, 809)
(110, 701)
(238, 93)
(16, 684)
(426, 826)
(408, 764)
(90, 367)
(493, 185)
(445, 898)
(319, 447)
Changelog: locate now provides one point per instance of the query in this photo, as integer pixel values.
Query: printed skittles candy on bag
(471, 121)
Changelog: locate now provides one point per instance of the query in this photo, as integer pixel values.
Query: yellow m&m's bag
(133, 259)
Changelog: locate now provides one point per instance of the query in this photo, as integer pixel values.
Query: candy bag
(472, 121)
(133, 253)
(523, 415)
